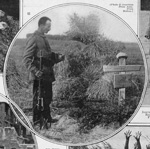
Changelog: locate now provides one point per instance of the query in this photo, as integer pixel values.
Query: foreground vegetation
(6, 36)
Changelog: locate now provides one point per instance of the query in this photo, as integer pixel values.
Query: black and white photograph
(77, 72)
(12, 133)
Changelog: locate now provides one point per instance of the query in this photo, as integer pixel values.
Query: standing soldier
(38, 54)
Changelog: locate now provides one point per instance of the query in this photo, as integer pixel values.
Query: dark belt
(45, 62)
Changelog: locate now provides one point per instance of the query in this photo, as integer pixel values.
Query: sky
(110, 26)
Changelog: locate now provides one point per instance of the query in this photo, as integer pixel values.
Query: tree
(84, 29)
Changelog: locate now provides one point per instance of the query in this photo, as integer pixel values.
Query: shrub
(88, 94)
(84, 29)
(77, 64)
(70, 91)
(6, 36)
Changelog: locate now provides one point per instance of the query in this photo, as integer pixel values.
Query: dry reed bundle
(73, 48)
(91, 51)
(93, 72)
(102, 89)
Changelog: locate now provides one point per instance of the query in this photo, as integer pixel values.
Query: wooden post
(10, 117)
(2, 113)
(122, 61)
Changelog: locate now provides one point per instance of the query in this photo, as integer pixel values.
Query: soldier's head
(44, 24)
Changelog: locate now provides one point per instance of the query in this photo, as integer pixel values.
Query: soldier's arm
(28, 56)
(56, 58)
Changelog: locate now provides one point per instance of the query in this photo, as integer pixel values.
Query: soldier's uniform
(31, 58)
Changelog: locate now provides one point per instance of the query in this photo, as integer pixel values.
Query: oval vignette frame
(141, 50)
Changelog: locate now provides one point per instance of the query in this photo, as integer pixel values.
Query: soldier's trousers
(46, 93)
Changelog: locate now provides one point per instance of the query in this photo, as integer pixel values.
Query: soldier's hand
(61, 57)
(39, 74)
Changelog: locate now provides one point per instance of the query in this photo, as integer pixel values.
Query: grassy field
(61, 46)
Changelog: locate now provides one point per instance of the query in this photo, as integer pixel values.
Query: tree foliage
(84, 29)
(6, 36)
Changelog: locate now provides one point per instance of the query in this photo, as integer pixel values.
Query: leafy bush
(88, 94)
(103, 113)
(77, 64)
(84, 29)
(70, 91)
(6, 36)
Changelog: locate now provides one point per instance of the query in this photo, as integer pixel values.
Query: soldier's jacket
(31, 57)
